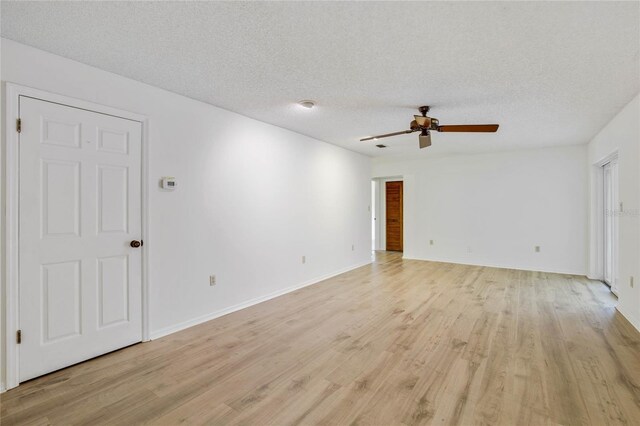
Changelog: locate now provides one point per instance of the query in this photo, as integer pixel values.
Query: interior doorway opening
(394, 216)
(610, 213)
(374, 198)
(387, 213)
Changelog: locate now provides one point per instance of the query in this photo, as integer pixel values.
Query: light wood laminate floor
(396, 342)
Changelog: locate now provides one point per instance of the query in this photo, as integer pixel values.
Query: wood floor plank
(397, 342)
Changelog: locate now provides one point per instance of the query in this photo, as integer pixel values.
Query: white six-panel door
(79, 210)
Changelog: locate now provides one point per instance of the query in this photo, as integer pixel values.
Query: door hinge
(19, 125)
(19, 336)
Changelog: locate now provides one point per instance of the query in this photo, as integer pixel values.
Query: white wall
(493, 209)
(252, 198)
(621, 135)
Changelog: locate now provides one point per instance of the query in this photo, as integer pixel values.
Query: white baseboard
(208, 317)
(489, 265)
(2, 388)
(629, 317)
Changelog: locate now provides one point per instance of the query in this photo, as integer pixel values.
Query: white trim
(13, 92)
(381, 211)
(607, 159)
(11, 238)
(596, 223)
(628, 316)
(72, 102)
(208, 317)
(144, 182)
(516, 268)
(379, 216)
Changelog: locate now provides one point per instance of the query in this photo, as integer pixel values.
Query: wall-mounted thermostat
(169, 182)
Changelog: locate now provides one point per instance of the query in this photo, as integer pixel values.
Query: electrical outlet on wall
(430, 242)
(631, 282)
(212, 280)
(353, 247)
(537, 249)
(304, 259)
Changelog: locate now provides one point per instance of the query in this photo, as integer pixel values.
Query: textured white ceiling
(550, 73)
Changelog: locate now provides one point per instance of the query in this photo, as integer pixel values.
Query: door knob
(135, 243)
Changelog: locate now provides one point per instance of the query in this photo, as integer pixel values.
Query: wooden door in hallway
(393, 191)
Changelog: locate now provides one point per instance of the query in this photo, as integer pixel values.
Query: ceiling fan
(425, 125)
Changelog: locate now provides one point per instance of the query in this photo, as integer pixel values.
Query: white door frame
(12, 242)
(381, 211)
(596, 267)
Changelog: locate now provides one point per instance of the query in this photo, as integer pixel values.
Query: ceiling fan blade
(469, 128)
(425, 139)
(388, 134)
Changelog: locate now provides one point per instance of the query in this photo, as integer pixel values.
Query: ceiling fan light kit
(424, 139)
(425, 125)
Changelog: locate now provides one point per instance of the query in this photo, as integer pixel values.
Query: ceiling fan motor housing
(425, 123)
